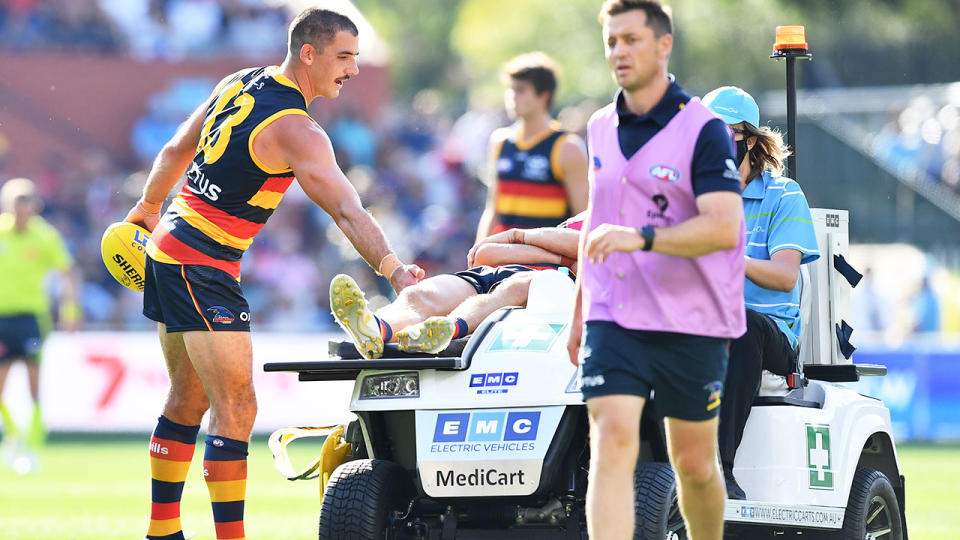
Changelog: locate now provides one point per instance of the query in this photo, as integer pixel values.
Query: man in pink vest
(660, 286)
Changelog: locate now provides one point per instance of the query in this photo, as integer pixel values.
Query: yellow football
(124, 251)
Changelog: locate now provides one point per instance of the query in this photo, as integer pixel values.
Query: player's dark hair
(658, 16)
(536, 68)
(317, 27)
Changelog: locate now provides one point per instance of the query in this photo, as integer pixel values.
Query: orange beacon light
(790, 37)
(791, 44)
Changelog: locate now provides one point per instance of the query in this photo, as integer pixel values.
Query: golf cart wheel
(657, 511)
(359, 498)
(872, 510)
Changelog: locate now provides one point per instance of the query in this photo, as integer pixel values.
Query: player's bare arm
(562, 241)
(779, 273)
(716, 227)
(297, 142)
(168, 167)
(576, 317)
(488, 221)
(559, 243)
(573, 164)
(499, 254)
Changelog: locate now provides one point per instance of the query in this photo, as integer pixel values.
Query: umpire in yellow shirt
(29, 249)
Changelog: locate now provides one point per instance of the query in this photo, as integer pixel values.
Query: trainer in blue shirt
(780, 237)
(777, 218)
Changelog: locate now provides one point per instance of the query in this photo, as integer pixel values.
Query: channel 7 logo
(487, 426)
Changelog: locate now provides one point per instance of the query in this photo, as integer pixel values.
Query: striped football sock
(225, 470)
(462, 328)
(386, 331)
(171, 449)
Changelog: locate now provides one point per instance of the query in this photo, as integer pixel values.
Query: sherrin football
(124, 251)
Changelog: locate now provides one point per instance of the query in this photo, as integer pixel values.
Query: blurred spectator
(75, 25)
(868, 305)
(165, 111)
(923, 138)
(251, 29)
(166, 29)
(355, 138)
(194, 26)
(926, 309)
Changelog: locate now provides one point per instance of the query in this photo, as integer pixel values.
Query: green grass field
(99, 490)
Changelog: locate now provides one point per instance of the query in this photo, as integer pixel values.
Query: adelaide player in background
(538, 172)
(240, 150)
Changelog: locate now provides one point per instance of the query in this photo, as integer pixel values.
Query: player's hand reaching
(608, 238)
(144, 214)
(405, 276)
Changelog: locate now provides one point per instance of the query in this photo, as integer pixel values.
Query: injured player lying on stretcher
(425, 317)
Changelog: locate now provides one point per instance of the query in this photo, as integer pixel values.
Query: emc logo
(487, 426)
(493, 379)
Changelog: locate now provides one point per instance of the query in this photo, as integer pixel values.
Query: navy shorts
(19, 337)
(486, 278)
(686, 372)
(194, 297)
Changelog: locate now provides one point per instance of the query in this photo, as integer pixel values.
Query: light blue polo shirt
(777, 217)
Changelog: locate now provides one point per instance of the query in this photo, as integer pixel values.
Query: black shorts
(19, 337)
(194, 297)
(486, 278)
(686, 372)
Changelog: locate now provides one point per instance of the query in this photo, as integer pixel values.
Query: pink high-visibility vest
(644, 290)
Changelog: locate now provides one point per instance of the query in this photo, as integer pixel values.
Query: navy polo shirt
(709, 170)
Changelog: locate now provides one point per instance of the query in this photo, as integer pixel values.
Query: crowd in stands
(155, 29)
(923, 138)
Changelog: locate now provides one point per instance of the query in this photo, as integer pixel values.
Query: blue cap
(733, 105)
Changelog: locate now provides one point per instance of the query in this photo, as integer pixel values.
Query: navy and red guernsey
(229, 193)
(530, 190)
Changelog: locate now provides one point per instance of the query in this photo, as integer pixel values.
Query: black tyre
(657, 511)
(359, 498)
(872, 509)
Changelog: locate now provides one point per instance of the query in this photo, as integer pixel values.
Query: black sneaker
(734, 491)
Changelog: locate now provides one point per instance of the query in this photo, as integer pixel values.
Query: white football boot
(431, 336)
(349, 308)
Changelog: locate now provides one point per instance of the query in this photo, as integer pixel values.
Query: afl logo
(664, 173)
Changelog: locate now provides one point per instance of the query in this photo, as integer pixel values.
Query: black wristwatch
(647, 232)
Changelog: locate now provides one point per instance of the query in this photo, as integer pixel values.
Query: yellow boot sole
(349, 308)
(431, 336)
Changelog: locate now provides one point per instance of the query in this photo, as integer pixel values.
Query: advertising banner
(117, 382)
(921, 389)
